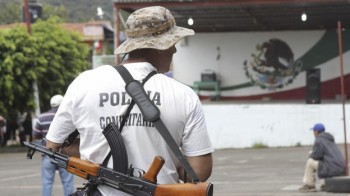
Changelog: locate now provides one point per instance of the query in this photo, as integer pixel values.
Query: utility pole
(343, 97)
(35, 84)
(26, 14)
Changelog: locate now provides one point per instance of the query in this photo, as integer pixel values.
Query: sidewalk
(241, 172)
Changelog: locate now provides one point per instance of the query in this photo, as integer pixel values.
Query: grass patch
(259, 145)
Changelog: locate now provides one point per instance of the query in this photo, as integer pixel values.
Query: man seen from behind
(98, 97)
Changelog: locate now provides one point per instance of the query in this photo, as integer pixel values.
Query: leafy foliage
(51, 56)
(67, 10)
(10, 11)
(83, 10)
(50, 11)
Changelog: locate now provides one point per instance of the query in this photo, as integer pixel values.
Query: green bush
(259, 145)
(51, 56)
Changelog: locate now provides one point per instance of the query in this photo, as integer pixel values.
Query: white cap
(56, 100)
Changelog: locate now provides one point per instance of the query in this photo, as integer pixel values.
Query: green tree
(10, 12)
(50, 11)
(68, 10)
(52, 56)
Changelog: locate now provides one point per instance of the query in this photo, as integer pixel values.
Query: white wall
(233, 125)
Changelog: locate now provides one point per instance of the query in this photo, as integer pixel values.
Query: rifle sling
(147, 106)
(127, 113)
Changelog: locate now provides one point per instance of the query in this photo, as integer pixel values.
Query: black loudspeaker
(313, 86)
(208, 75)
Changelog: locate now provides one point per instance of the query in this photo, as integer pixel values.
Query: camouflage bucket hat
(151, 27)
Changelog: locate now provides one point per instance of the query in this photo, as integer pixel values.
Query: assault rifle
(142, 185)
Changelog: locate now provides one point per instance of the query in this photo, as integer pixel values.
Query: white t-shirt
(97, 97)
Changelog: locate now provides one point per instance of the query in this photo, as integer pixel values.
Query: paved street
(241, 172)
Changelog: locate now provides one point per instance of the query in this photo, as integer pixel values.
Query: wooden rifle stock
(82, 168)
(184, 189)
(152, 173)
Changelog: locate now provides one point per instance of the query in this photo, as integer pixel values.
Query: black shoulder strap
(151, 113)
(127, 77)
(123, 72)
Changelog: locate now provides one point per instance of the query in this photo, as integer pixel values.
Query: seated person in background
(326, 159)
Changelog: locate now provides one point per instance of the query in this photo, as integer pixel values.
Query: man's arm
(53, 146)
(71, 150)
(202, 166)
(317, 151)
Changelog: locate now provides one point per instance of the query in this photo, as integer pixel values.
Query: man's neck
(134, 60)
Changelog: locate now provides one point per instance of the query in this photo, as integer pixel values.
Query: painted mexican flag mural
(255, 65)
(273, 68)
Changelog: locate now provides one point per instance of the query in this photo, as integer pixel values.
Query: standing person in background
(28, 128)
(2, 129)
(10, 135)
(325, 160)
(21, 117)
(47, 169)
(25, 127)
(97, 96)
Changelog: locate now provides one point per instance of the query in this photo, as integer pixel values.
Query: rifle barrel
(44, 150)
